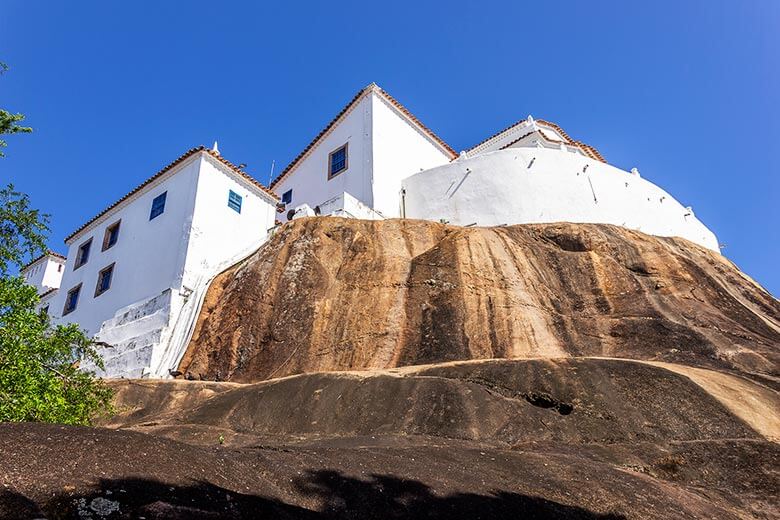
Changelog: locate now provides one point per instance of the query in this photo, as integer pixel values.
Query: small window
(59, 268)
(337, 161)
(45, 310)
(287, 197)
(158, 206)
(72, 300)
(104, 280)
(83, 254)
(111, 235)
(234, 201)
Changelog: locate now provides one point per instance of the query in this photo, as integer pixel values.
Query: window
(112, 235)
(234, 201)
(59, 268)
(287, 197)
(337, 161)
(72, 300)
(83, 254)
(45, 310)
(104, 280)
(158, 206)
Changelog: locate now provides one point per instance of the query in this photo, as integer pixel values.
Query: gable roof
(186, 155)
(588, 150)
(373, 87)
(41, 257)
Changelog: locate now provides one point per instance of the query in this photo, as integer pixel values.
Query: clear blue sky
(687, 91)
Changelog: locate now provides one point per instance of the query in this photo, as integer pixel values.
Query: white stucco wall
(400, 149)
(148, 255)
(45, 274)
(537, 185)
(309, 180)
(218, 232)
(159, 263)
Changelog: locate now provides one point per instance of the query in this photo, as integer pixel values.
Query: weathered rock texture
(334, 294)
(419, 426)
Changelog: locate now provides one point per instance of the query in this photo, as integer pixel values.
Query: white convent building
(135, 274)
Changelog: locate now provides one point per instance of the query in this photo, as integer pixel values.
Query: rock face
(335, 294)
(501, 439)
(389, 408)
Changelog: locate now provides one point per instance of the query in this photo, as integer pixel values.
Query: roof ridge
(371, 87)
(588, 149)
(48, 252)
(186, 155)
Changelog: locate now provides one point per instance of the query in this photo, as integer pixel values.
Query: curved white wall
(537, 185)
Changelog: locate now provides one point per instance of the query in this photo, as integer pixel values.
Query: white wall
(309, 181)
(148, 255)
(218, 232)
(506, 187)
(45, 274)
(400, 149)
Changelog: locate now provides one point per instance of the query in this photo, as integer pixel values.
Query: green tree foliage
(40, 379)
(9, 123)
(22, 229)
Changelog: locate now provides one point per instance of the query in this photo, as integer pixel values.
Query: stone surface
(479, 439)
(337, 294)
(642, 384)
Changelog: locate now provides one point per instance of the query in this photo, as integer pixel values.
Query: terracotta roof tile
(46, 293)
(586, 148)
(47, 253)
(375, 88)
(189, 153)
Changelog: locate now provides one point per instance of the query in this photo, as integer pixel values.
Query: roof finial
(215, 148)
(530, 119)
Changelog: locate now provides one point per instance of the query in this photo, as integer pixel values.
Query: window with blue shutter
(83, 254)
(72, 300)
(234, 201)
(337, 161)
(158, 206)
(104, 280)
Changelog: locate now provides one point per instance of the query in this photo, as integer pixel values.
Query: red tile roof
(373, 87)
(587, 149)
(46, 293)
(44, 255)
(189, 153)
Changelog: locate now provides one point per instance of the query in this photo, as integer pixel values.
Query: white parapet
(345, 205)
(540, 185)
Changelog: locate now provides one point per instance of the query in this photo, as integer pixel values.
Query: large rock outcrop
(390, 410)
(335, 294)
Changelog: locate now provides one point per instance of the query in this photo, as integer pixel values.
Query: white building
(131, 270)
(533, 172)
(135, 275)
(45, 274)
(365, 152)
(376, 160)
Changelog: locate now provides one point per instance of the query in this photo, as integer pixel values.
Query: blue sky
(688, 92)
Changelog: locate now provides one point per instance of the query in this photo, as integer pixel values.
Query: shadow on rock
(384, 497)
(381, 497)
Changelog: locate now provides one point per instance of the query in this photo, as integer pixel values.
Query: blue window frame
(234, 201)
(287, 197)
(104, 280)
(337, 161)
(72, 300)
(158, 205)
